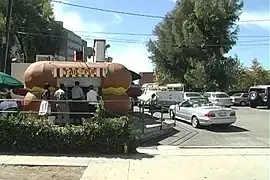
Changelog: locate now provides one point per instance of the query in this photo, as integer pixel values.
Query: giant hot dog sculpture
(115, 81)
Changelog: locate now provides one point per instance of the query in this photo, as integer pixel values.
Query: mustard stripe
(114, 91)
(39, 89)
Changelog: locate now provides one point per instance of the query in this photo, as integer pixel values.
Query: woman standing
(45, 106)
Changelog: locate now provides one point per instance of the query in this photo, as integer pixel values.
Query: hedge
(32, 135)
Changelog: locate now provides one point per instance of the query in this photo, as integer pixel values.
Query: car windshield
(258, 90)
(200, 102)
(222, 95)
(193, 95)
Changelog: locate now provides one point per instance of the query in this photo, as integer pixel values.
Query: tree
(163, 78)
(197, 32)
(1, 26)
(33, 27)
(249, 76)
(259, 74)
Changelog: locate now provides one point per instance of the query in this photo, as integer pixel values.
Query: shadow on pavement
(224, 129)
(135, 155)
(155, 141)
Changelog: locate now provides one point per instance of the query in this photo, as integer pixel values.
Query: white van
(167, 95)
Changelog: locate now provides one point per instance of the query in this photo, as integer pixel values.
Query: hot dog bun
(114, 85)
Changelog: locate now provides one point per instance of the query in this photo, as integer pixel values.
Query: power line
(135, 14)
(99, 32)
(116, 40)
(133, 34)
(109, 10)
(65, 37)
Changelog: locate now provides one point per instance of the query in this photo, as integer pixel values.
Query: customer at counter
(76, 95)
(92, 99)
(62, 106)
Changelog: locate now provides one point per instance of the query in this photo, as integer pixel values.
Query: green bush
(109, 135)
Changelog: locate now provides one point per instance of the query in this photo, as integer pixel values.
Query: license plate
(222, 114)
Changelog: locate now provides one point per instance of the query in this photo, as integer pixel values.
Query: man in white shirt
(76, 95)
(92, 98)
(61, 105)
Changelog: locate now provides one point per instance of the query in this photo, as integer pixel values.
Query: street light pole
(7, 62)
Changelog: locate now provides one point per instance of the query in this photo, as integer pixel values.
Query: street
(250, 130)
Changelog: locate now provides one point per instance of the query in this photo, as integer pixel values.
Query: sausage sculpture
(115, 81)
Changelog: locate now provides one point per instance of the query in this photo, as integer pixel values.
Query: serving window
(86, 77)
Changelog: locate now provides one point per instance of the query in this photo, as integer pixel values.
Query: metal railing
(140, 113)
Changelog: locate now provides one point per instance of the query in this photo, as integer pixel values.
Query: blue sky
(132, 52)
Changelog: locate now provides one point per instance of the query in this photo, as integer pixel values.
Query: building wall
(17, 70)
(147, 77)
(99, 47)
(84, 45)
(74, 43)
(70, 43)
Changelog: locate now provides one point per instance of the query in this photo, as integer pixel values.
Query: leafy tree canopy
(33, 27)
(194, 37)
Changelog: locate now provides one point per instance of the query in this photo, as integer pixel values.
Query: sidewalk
(184, 164)
(164, 162)
(44, 161)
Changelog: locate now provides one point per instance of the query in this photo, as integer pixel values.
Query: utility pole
(7, 61)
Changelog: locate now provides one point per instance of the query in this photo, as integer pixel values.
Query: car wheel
(253, 95)
(195, 122)
(172, 115)
(243, 103)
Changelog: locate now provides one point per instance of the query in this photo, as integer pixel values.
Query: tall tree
(163, 78)
(259, 74)
(197, 32)
(33, 26)
(249, 76)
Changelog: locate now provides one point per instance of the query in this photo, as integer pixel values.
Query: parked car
(240, 99)
(259, 96)
(219, 98)
(189, 95)
(202, 112)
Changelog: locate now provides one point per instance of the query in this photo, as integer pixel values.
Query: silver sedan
(201, 112)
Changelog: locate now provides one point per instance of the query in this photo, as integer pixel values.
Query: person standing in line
(61, 105)
(45, 106)
(153, 104)
(8, 105)
(76, 95)
(92, 99)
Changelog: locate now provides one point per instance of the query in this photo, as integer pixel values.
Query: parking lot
(250, 130)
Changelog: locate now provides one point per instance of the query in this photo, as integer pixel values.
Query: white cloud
(261, 19)
(117, 19)
(133, 56)
(73, 21)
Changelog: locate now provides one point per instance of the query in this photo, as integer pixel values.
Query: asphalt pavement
(250, 130)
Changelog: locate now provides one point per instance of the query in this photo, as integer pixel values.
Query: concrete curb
(178, 151)
(223, 147)
(154, 134)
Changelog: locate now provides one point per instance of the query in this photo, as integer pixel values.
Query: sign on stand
(79, 72)
(86, 76)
